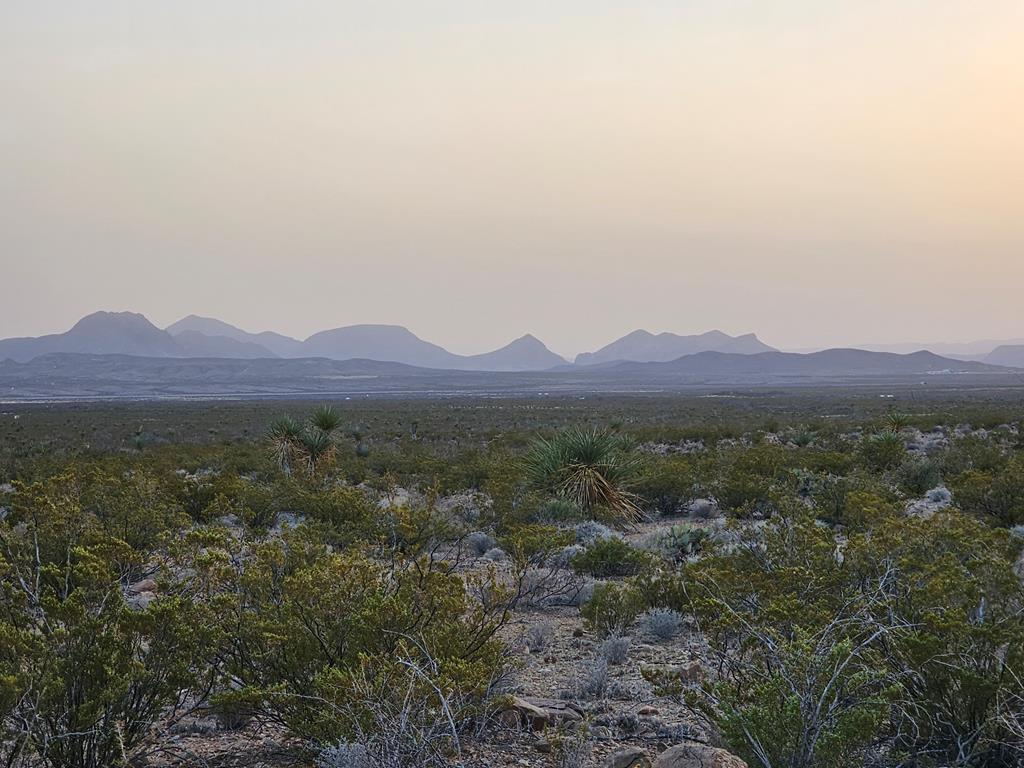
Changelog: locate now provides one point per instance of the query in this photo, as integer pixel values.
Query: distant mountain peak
(642, 346)
(104, 319)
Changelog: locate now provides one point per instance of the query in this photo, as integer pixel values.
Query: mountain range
(64, 376)
(108, 349)
(127, 333)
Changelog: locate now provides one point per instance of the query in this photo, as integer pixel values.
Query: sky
(817, 172)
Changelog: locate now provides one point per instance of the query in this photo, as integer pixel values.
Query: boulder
(140, 601)
(146, 585)
(697, 756)
(630, 757)
(538, 714)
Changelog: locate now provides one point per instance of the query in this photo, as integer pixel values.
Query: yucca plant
(285, 438)
(317, 449)
(308, 446)
(593, 469)
(325, 419)
(897, 421)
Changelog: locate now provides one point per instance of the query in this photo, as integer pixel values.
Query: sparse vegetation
(855, 597)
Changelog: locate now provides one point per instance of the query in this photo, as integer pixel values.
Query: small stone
(543, 746)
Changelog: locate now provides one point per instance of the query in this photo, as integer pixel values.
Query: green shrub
(610, 557)
(882, 451)
(996, 495)
(613, 608)
(919, 475)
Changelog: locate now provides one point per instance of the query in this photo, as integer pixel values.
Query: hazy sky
(818, 172)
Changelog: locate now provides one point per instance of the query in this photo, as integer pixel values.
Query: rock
(141, 601)
(697, 756)
(691, 673)
(230, 521)
(538, 714)
(543, 746)
(146, 585)
(630, 757)
(288, 520)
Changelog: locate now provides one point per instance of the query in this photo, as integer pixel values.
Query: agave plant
(591, 468)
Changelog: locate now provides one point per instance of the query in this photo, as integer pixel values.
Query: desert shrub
(496, 554)
(663, 623)
(574, 748)
(612, 608)
(347, 513)
(610, 557)
(591, 682)
(998, 496)
(401, 712)
(563, 557)
(669, 483)
(972, 453)
(479, 543)
(343, 756)
(535, 544)
(291, 647)
(615, 649)
(958, 655)
(82, 675)
(538, 637)
(558, 511)
(590, 531)
(882, 451)
(746, 478)
(919, 475)
(831, 649)
(133, 507)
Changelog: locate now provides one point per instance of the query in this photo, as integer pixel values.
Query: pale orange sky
(817, 172)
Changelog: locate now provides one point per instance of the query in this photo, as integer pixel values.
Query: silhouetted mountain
(377, 342)
(828, 363)
(645, 347)
(196, 344)
(279, 345)
(1008, 354)
(527, 353)
(970, 350)
(102, 333)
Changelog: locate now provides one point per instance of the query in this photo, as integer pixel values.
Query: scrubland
(789, 579)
